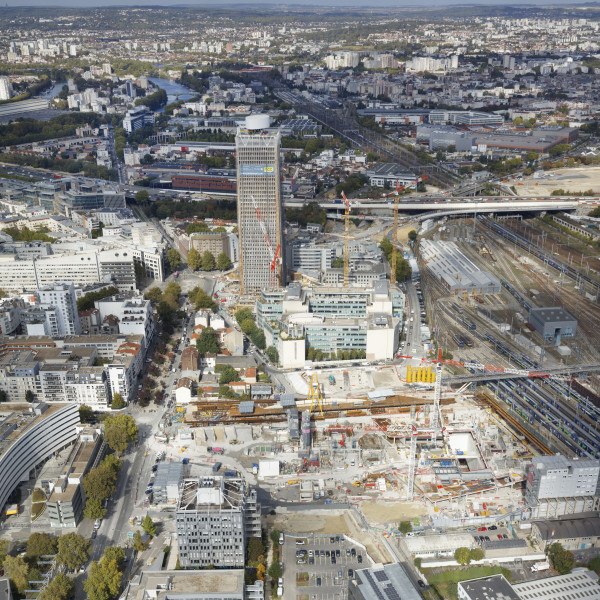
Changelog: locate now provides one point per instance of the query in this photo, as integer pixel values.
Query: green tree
(247, 326)
(386, 247)
(115, 553)
(112, 463)
(338, 262)
(117, 401)
(477, 554)
(17, 570)
(256, 550)
(138, 542)
(29, 396)
(60, 588)
(73, 550)
(104, 580)
(119, 432)
(223, 262)
(275, 571)
(201, 299)
(418, 562)
(243, 314)
(207, 342)
(412, 235)
(4, 544)
(94, 509)
(154, 294)
(193, 259)
(3, 396)
(40, 544)
(272, 354)
(174, 259)
(86, 414)
(594, 565)
(149, 526)
(562, 560)
(405, 527)
(258, 338)
(531, 157)
(142, 197)
(208, 261)
(462, 556)
(228, 374)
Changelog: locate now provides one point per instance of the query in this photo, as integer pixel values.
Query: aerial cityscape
(299, 302)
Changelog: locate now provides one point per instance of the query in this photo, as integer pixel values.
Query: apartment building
(215, 517)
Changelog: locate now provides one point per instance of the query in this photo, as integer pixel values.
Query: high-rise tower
(260, 211)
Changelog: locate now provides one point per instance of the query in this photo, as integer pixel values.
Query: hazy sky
(253, 3)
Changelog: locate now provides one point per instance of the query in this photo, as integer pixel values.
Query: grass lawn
(445, 582)
(302, 579)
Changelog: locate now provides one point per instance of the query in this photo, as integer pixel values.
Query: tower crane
(435, 417)
(346, 240)
(274, 255)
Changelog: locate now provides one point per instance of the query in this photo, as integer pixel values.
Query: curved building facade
(28, 439)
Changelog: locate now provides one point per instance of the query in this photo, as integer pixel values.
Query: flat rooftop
(162, 585)
(489, 588)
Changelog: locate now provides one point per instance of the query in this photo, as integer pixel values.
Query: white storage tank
(254, 122)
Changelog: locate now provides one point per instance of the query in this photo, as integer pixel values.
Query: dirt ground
(391, 512)
(574, 180)
(312, 522)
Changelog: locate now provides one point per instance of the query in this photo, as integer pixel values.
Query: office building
(362, 321)
(204, 584)
(383, 582)
(61, 296)
(130, 89)
(260, 210)
(215, 242)
(5, 88)
(137, 118)
(215, 517)
(29, 438)
(66, 502)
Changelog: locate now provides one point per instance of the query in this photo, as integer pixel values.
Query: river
(175, 91)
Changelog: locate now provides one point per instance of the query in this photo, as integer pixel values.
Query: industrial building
(580, 583)
(66, 502)
(215, 517)
(494, 587)
(541, 139)
(364, 320)
(390, 175)
(553, 323)
(260, 210)
(439, 136)
(455, 271)
(29, 438)
(558, 486)
(572, 534)
(383, 582)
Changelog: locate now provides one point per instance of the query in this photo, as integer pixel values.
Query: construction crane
(346, 240)
(435, 416)
(315, 394)
(396, 193)
(273, 255)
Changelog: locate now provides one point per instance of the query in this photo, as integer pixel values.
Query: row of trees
(245, 320)
(403, 270)
(99, 484)
(153, 101)
(86, 302)
(318, 355)
(28, 235)
(104, 579)
(186, 209)
(71, 551)
(207, 261)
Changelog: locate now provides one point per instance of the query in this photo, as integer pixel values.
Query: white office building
(61, 296)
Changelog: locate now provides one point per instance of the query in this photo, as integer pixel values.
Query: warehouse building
(439, 136)
(572, 534)
(579, 584)
(553, 323)
(389, 175)
(383, 582)
(455, 271)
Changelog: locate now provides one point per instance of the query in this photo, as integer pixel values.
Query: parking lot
(319, 566)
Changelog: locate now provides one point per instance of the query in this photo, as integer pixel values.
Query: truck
(216, 467)
(543, 565)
